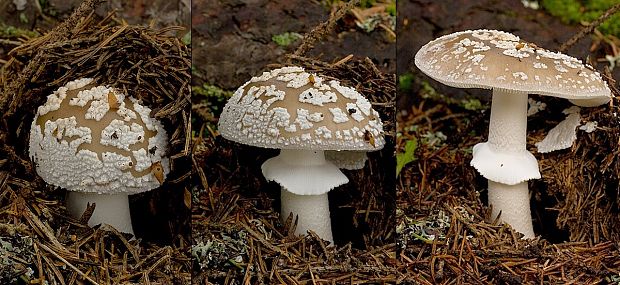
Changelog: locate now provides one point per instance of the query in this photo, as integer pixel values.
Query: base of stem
(513, 202)
(111, 209)
(312, 212)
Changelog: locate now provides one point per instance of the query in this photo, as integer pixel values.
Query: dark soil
(232, 39)
(44, 16)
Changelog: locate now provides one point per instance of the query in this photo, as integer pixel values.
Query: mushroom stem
(506, 163)
(508, 125)
(305, 177)
(504, 157)
(312, 213)
(513, 201)
(111, 209)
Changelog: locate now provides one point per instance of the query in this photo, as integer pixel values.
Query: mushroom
(564, 134)
(304, 116)
(350, 160)
(512, 68)
(101, 146)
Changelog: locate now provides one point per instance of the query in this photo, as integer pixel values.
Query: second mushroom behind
(303, 115)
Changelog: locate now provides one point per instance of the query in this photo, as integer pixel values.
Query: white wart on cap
(288, 108)
(492, 59)
(90, 138)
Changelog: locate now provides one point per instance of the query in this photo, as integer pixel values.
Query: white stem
(506, 163)
(508, 125)
(504, 157)
(513, 201)
(305, 177)
(312, 212)
(111, 209)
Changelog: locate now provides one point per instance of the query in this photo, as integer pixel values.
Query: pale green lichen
(614, 279)
(433, 139)
(431, 228)
(14, 269)
(286, 39)
(10, 32)
(231, 249)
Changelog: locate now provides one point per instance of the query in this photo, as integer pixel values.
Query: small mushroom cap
(564, 134)
(90, 138)
(493, 59)
(288, 108)
(347, 159)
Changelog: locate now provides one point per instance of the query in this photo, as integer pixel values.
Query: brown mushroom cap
(91, 138)
(492, 59)
(288, 108)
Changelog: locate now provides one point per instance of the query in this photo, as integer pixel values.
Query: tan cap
(492, 59)
(288, 108)
(91, 138)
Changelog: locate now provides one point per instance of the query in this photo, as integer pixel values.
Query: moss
(405, 82)
(212, 92)
(428, 92)
(391, 9)
(212, 101)
(575, 11)
(7, 31)
(472, 104)
(286, 39)
(215, 97)
(367, 3)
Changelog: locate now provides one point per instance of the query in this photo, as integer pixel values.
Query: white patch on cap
(339, 115)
